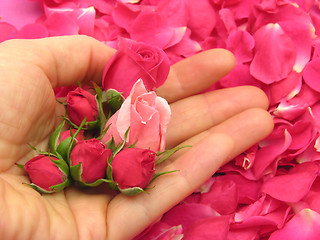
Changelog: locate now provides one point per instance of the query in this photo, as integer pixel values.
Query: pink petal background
(270, 191)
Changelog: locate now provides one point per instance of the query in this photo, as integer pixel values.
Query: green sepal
(20, 165)
(54, 188)
(54, 137)
(102, 117)
(94, 184)
(76, 172)
(132, 191)
(65, 147)
(113, 186)
(61, 164)
(111, 145)
(166, 154)
(113, 98)
(121, 145)
(43, 152)
(61, 186)
(162, 173)
(109, 169)
(38, 189)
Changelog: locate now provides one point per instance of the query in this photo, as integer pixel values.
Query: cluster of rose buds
(88, 148)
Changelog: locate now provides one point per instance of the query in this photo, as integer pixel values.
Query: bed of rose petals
(272, 190)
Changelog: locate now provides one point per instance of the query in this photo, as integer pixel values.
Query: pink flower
(93, 156)
(135, 61)
(146, 114)
(133, 167)
(44, 173)
(81, 104)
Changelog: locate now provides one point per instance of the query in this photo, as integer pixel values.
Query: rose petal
(222, 197)
(275, 54)
(294, 185)
(208, 228)
(304, 225)
(188, 214)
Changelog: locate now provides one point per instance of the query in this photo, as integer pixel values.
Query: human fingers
(213, 149)
(195, 74)
(63, 60)
(198, 113)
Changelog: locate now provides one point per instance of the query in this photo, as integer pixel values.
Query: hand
(219, 125)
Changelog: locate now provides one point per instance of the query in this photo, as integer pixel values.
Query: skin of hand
(219, 125)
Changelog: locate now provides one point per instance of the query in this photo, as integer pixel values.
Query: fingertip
(221, 59)
(258, 96)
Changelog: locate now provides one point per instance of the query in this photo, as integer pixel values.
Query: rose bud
(45, 174)
(133, 167)
(89, 161)
(81, 104)
(146, 114)
(139, 60)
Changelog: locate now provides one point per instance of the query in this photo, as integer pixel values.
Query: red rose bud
(89, 160)
(133, 167)
(81, 104)
(45, 174)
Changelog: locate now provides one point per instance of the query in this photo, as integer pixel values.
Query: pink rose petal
(305, 225)
(222, 197)
(275, 54)
(188, 214)
(294, 185)
(208, 228)
(311, 74)
(241, 43)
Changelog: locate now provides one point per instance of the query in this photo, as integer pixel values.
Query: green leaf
(168, 153)
(54, 137)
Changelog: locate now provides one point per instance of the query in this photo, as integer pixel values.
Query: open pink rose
(132, 61)
(44, 173)
(133, 167)
(93, 156)
(81, 104)
(146, 114)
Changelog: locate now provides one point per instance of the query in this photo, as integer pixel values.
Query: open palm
(219, 125)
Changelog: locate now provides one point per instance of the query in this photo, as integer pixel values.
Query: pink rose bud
(135, 60)
(133, 167)
(81, 104)
(93, 156)
(146, 114)
(44, 173)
